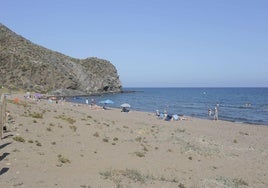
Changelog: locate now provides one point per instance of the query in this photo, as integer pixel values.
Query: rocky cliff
(31, 67)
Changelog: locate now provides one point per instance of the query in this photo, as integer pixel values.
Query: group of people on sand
(214, 113)
(169, 117)
(93, 105)
(37, 97)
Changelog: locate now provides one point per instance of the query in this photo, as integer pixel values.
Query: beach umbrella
(107, 101)
(125, 105)
(38, 95)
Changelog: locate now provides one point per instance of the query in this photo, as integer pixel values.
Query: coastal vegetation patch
(37, 143)
(19, 139)
(68, 119)
(36, 115)
(222, 181)
(96, 134)
(121, 177)
(105, 139)
(73, 128)
(139, 153)
(63, 159)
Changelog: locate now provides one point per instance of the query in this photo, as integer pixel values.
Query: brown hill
(31, 67)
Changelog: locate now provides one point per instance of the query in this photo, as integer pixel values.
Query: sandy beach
(70, 145)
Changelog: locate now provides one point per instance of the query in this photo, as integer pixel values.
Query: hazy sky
(172, 43)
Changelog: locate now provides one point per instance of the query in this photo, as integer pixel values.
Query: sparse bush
(144, 148)
(107, 174)
(169, 150)
(37, 115)
(134, 175)
(73, 127)
(96, 134)
(181, 185)
(138, 139)
(131, 174)
(63, 159)
(106, 124)
(68, 119)
(38, 143)
(19, 139)
(139, 154)
(105, 140)
(239, 182)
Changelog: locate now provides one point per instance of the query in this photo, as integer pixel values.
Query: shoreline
(203, 118)
(69, 145)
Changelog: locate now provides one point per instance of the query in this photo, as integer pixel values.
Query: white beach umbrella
(125, 105)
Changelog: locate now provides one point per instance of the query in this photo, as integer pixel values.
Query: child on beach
(209, 112)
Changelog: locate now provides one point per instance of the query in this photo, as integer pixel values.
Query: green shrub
(63, 159)
(37, 115)
(18, 139)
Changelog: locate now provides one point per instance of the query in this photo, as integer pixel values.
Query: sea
(241, 105)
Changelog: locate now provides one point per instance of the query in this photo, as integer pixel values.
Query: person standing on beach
(92, 104)
(216, 114)
(87, 101)
(209, 112)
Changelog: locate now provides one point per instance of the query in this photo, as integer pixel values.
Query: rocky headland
(27, 66)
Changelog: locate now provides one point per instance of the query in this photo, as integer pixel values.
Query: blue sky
(154, 43)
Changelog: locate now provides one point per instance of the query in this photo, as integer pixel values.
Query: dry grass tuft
(38, 143)
(139, 154)
(96, 134)
(68, 119)
(36, 115)
(105, 140)
(73, 128)
(63, 160)
(18, 139)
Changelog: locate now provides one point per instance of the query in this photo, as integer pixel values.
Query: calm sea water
(244, 105)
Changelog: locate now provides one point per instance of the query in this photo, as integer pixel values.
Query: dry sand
(67, 145)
